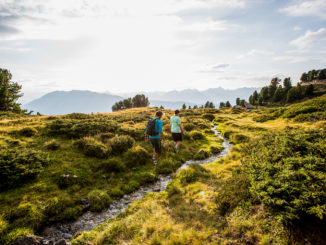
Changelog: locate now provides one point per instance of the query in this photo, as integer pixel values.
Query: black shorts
(156, 143)
(177, 137)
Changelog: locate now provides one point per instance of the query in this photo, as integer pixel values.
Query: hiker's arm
(162, 136)
(181, 128)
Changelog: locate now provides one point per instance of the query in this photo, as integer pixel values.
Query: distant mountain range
(64, 102)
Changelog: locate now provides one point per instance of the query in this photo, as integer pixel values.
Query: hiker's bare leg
(177, 144)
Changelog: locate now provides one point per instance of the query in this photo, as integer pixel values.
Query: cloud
(255, 52)
(315, 8)
(310, 38)
(5, 30)
(214, 69)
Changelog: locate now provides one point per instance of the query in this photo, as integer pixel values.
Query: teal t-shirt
(175, 123)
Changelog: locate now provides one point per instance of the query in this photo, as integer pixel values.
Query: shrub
(136, 156)
(20, 166)
(27, 132)
(286, 170)
(131, 186)
(202, 154)
(232, 192)
(209, 117)
(238, 138)
(67, 180)
(52, 145)
(93, 148)
(74, 128)
(120, 144)
(112, 165)
(215, 150)
(116, 192)
(26, 214)
(263, 118)
(167, 166)
(192, 173)
(209, 131)
(196, 135)
(98, 200)
(146, 178)
(106, 136)
(54, 206)
(189, 126)
(227, 133)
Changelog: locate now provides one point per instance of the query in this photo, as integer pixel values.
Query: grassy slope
(212, 205)
(41, 202)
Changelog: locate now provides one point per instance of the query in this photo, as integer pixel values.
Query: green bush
(66, 180)
(227, 133)
(238, 138)
(263, 118)
(26, 215)
(146, 178)
(93, 148)
(136, 156)
(200, 155)
(3, 225)
(196, 135)
(167, 166)
(209, 117)
(192, 173)
(75, 128)
(209, 131)
(27, 132)
(52, 145)
(98, 200)
(20, 166)
(232, 192)
(215, 150)
(189, 126)
(116, 192)
(132, 186)
(120, 144)
(55, 206)
(106, 136)
(287, 173)
(112, 165)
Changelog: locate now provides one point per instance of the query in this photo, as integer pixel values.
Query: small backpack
(151, 127)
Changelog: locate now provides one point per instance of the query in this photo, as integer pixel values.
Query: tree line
(139, 100)
(313, 75)
(275, 92)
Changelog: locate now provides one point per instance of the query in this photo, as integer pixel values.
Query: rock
(67, 236)
(28, 240)
(85, 203)
(62, 242)
(205, 153)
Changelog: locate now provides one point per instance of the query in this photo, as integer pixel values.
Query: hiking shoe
(153, 158)
(155, 163)
(175, 149)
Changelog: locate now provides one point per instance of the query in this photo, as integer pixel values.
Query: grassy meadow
(270, 189)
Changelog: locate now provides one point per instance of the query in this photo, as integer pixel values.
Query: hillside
(269, 189)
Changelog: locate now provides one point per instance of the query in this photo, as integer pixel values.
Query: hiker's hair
(159, 114)
(176, 112)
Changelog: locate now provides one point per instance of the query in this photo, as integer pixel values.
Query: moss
(137, 155)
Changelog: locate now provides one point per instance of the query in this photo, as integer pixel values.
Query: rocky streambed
(62, 233)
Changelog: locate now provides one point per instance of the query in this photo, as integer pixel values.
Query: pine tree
(9, 92)
(228, 104)
(238, 101)
(184, 106)
(222, 104)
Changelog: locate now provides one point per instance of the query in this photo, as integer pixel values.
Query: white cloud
(314, 8)
(310, 38)
(255, 52)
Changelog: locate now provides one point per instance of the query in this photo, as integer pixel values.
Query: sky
(122, 46)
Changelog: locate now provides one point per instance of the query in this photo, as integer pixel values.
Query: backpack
(151, 127)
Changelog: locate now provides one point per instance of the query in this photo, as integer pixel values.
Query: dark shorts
(177, 137)
(156, 143)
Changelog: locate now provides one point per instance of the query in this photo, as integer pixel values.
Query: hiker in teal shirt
(155, 137)
(176, 129)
